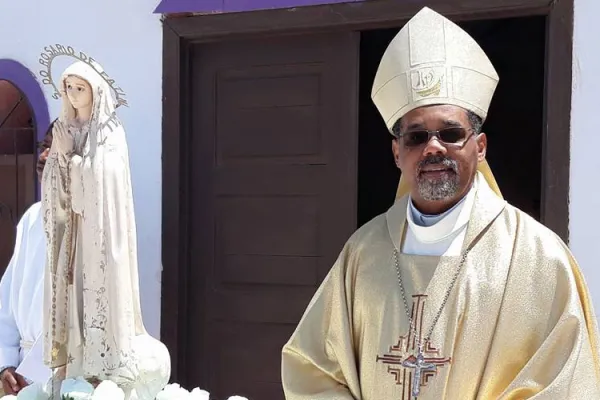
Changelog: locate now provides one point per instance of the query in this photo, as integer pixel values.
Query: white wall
(125, 37)
(584, 208)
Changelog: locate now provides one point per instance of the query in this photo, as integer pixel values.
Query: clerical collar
(435, 228)
(427, 220)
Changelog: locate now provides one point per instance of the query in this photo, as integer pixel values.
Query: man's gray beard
(438, 189)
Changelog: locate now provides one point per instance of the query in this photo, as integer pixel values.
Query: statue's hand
(62, 140)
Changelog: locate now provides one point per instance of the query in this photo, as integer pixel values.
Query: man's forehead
(439, 115)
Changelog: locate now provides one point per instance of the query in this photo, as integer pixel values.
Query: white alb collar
(455, 220)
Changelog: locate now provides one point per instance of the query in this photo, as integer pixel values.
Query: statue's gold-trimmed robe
(517, 325)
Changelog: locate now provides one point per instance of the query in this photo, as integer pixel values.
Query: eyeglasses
(453, 136)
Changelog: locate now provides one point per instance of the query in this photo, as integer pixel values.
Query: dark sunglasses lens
(452, 135)
(415, 138)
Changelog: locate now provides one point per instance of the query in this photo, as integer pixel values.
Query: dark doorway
(514, 126)
(17, 165)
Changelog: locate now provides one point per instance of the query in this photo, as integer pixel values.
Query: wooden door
(273, 198)
(17, 165)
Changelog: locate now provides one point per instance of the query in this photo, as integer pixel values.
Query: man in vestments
(22, 291)
(452, 293)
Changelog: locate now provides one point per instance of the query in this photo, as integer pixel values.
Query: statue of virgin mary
(93, 324)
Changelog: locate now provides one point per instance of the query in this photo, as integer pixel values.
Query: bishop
(453, 293)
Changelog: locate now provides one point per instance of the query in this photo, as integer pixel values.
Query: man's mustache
(438, 160)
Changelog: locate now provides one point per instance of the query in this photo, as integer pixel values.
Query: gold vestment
(518, 324)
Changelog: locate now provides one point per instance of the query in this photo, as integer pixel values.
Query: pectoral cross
(418, 364)
(413, 364)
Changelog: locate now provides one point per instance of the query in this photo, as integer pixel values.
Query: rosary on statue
(419, 365)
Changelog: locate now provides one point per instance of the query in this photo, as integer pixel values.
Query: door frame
(182, 30)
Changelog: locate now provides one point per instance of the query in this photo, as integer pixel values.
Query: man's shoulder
(374, 229)
(367, 237)
(532, 226)
(538, 238)
(540, 256)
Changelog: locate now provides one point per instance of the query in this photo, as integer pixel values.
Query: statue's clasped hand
(62, 139)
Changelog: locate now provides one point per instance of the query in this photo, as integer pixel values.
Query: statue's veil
(106, 237)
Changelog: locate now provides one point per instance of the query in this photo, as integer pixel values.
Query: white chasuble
(22, 291)
(517, 324)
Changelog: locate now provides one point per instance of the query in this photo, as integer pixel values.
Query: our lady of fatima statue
(93, 324)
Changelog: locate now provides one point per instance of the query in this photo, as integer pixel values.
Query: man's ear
(396, 151)
(481, 146)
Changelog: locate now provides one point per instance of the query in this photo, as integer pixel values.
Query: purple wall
(224, 6)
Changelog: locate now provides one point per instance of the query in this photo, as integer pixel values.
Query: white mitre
(432, 61)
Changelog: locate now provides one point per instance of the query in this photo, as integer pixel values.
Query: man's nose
(434, 146)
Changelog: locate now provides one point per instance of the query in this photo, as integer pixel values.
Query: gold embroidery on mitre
(427, 81)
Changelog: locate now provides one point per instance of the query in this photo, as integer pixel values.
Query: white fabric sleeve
(9, 332)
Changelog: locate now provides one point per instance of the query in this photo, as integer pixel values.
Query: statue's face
(79, 92)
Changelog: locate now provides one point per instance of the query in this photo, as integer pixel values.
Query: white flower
(108, 390)
(76, 389)
(173, 392)
(199, 394)
(34, 391)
